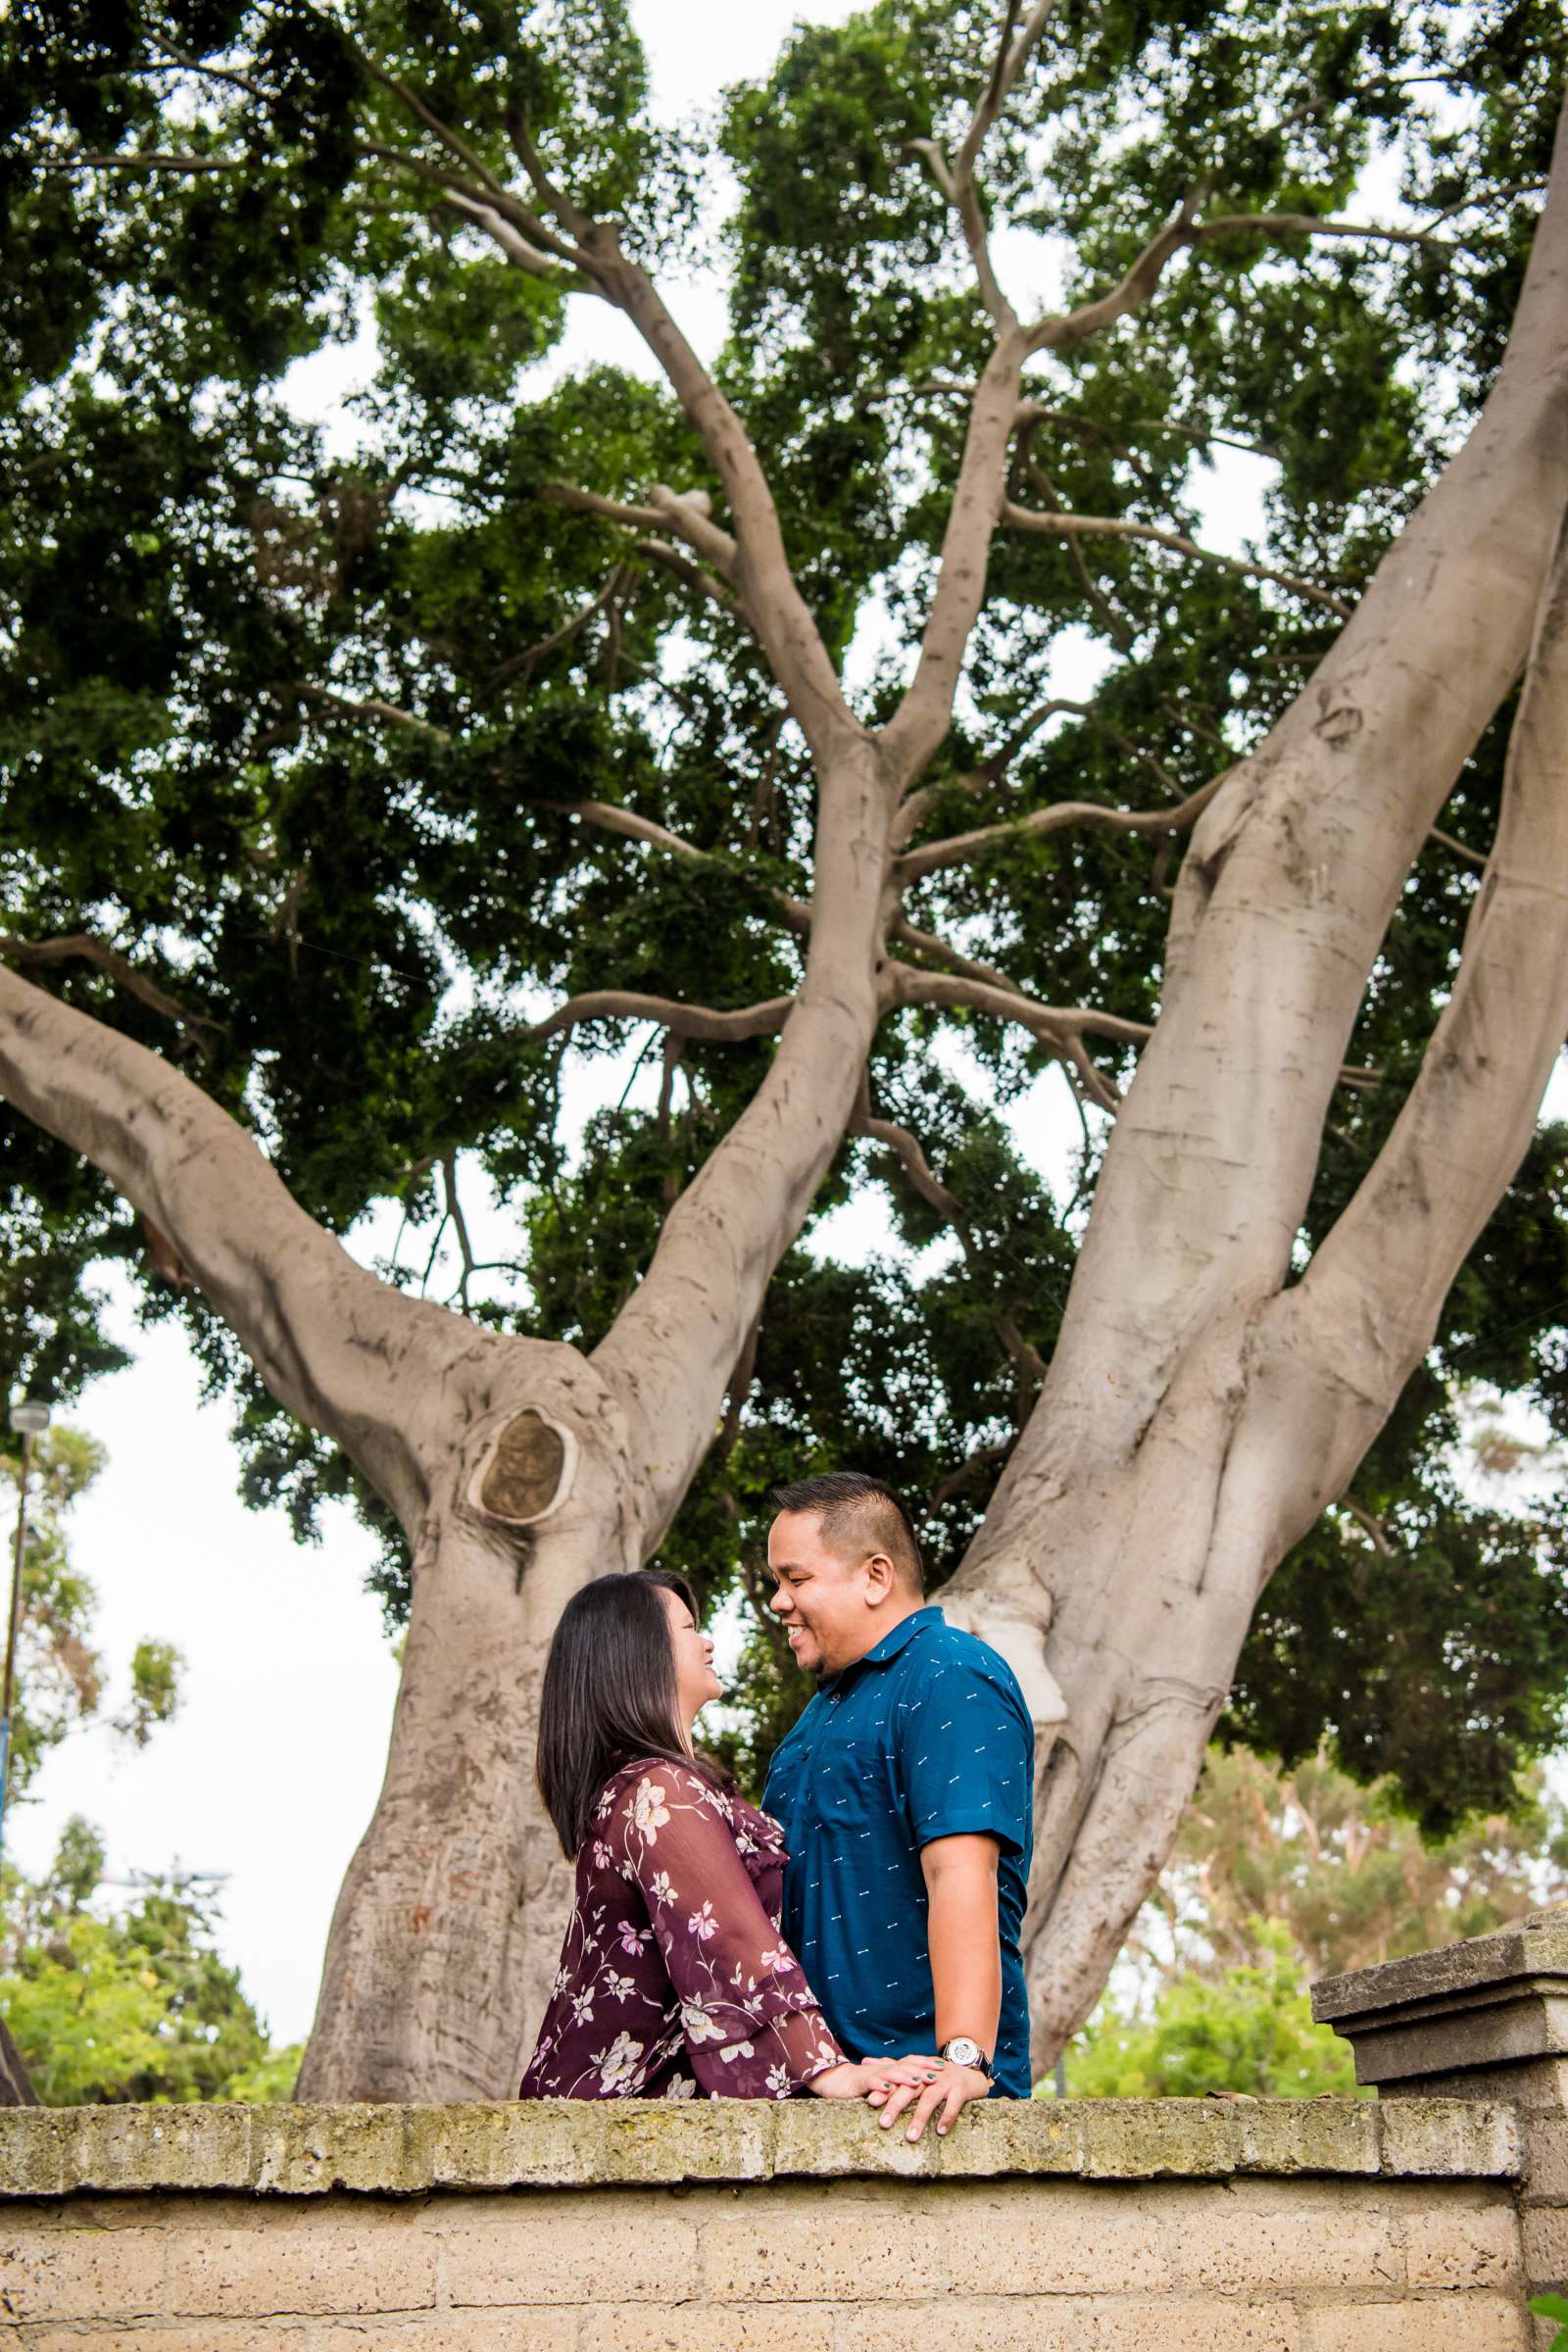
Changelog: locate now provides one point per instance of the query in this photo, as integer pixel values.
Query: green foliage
(1341, 1869)
(1553, 2307)
(60, 1674)
(350, 922)
(1248, 2031)
(133, 2005)
(1279, 1877)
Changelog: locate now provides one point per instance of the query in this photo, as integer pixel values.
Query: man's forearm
(965, 1939)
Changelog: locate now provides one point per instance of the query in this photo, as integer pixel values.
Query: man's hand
(950, 2089)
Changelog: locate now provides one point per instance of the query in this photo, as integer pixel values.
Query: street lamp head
(30, 1420)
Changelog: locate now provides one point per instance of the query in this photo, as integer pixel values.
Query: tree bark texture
(1201, 1407)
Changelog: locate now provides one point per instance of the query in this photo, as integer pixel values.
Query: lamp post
(30, 1421)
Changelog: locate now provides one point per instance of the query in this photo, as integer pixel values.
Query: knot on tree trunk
(527, 1473)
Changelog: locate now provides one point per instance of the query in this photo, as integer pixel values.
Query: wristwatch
(962, 2051)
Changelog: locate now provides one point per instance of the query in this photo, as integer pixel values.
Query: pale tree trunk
(1200, 1413)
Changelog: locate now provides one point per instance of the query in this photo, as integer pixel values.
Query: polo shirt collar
(891, 1644)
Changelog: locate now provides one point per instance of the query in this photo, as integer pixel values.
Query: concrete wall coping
(1535, 1947)
(392, 2150)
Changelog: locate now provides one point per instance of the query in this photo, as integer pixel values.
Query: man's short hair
(854, 1510)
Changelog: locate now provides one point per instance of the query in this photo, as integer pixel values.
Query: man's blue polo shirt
(925, 1736)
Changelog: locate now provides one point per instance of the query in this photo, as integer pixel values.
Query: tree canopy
(369, 771)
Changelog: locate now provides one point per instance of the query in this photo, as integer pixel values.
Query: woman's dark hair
(608, 1695)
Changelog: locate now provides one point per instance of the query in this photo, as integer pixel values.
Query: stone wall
(1328, 2226)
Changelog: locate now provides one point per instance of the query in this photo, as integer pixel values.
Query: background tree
(108, 2002)
(60, 1672)
(1279, 1877)
(342, 789)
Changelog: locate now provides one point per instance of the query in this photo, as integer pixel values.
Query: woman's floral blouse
(673, 1977)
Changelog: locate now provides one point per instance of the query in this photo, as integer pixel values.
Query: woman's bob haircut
(608, 1695)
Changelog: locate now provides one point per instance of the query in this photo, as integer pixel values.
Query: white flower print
(607, 1797)
(604, 1860)
(617, 2065)
(681, 2087)
(737, 2049)
(781, 1960)
(649, 1810)
(778, 2081)
(700, 2027)
(582, 2003)
(703, 1924)
(663, 1892)
(631, 1938)
(618, 1988)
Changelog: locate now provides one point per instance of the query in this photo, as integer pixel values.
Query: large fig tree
(865, 719)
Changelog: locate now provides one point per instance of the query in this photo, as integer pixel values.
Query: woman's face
(696, 1682)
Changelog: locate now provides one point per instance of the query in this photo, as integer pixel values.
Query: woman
(673, 1977)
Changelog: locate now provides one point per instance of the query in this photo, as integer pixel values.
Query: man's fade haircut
(853, 1509)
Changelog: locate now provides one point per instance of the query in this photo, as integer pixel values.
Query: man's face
(830, 1602)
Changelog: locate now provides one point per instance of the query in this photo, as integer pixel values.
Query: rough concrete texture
(1297, 2263)
(563, 2143)
(1535, 1946)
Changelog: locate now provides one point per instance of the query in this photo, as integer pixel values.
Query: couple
(859, 1939)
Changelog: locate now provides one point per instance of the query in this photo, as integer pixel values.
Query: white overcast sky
(271, 1771)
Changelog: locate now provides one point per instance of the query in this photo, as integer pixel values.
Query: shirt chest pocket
(849, 1788)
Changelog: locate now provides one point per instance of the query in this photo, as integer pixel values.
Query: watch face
(960, 2051)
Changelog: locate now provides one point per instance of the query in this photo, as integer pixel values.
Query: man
(906, 1793)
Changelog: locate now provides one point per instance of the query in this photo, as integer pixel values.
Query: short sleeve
(967, 1754)
(751, 2025)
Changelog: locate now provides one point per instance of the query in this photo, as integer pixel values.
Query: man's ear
(883, 1578)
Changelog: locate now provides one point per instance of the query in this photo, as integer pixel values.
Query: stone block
(83, 2274)
(1544, 2231)
(1446, 2137)
(1535, 1946)
(789, 2250)
(710, 2327)
(348, 2259)
(310, 2151)
(562, 2248)
(32, 2143)
(1090, 2323)
(1440, 2324)
(1304, 2238)
(1146, 2140)
(159, 2148)
(1546, 2153)
(1456, 2245)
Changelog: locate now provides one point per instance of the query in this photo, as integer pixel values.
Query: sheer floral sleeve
(751, 2028)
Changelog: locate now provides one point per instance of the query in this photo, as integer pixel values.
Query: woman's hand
(871, 2076)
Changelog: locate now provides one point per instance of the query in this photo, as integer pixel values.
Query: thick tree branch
(1372, 1295)
(683, 1020)
(1112, 526)
(961, 847)
(34, 955)
(336, 1347)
